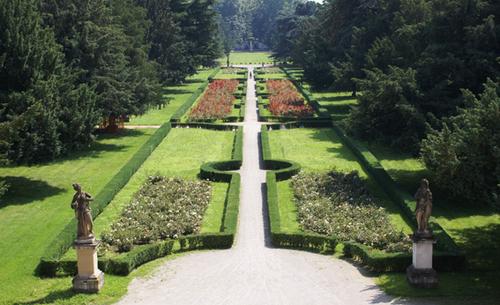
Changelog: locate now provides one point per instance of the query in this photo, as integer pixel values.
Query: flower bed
(216, 102)
(164, 208)
(339, 205)
(285, 100)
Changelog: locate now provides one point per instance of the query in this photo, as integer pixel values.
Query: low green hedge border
(64, 240)
(177, 116)
(203, 125)
(381, 261)
(283, 169)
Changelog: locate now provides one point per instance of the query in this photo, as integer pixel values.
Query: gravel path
(252, 272)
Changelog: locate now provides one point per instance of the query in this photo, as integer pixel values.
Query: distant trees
(69, 65)
(246, 23)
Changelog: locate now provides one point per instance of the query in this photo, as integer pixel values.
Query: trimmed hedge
(381, 261)
(176, 117)
(64, 240)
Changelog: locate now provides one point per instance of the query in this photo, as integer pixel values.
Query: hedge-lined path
(252, 272)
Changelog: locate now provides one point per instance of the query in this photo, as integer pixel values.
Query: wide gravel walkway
(252, 272)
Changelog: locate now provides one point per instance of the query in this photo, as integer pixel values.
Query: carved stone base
(422, 278)
(89, 279)
(88, 284)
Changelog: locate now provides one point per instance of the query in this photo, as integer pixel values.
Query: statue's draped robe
(83, 215)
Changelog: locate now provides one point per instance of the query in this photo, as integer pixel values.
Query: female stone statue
(81, 205)
(423, 209)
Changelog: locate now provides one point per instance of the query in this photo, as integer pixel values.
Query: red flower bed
(217, 101)
(285, 100)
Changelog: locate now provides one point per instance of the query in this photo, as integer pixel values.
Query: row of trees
(248, 24)
(429, 73)
(68, 65)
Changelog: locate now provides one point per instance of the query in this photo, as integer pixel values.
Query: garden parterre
(216, 102)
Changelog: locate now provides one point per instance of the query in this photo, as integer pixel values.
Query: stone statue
(423, 209)
(81, 205)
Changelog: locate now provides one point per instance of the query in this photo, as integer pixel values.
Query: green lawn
(475, 229)
(241, 58)
(180, 155)
(37, 207)
(178, 95)
(320, 150)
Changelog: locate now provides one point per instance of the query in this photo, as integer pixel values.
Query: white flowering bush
(163, 208)
(340, 205)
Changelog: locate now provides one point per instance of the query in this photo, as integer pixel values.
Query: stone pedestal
(89, 279)
(420, 273)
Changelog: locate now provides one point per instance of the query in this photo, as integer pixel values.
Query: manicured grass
(320, 150)
(272, 75)
(177, 95)
(180, 155)
(59, 290)
(338, 104)
(287, 208)
(475, 229)
(37, 207)
(465, 288)
(241, 58)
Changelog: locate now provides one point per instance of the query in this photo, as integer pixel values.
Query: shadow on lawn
(328, 135)
(482, 246)
(53, 297)
(24, 190)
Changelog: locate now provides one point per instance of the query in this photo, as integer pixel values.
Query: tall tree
(42, 113)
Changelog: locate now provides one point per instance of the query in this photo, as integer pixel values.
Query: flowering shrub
(163, 208)
(216, 102)
(285, 100)
(340, 205)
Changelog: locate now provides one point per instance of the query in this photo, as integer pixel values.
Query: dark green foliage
(104, 43)
(182, 35)
(387, 109)
(65, 239)
(464, 156)
(437, 46)
(43, 113)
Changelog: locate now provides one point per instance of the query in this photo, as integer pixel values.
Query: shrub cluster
(340, 205)
(285, 100)
(217, 102)
(163, 208)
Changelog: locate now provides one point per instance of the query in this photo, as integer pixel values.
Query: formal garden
(197, 151)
